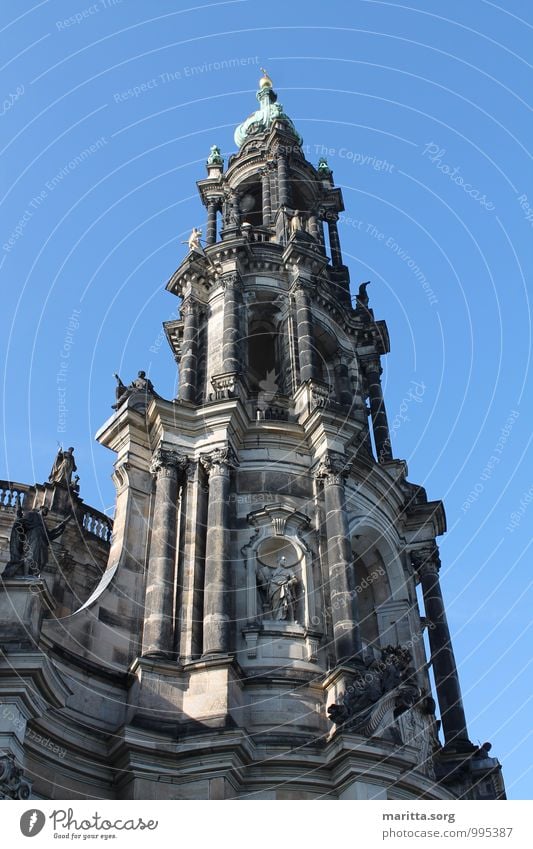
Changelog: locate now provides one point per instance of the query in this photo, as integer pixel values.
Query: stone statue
(215, 157)
(75, 485)
(143, 384)
(194, 240)
(296, 222)
(140, 384)
(63, 467)
(323, 168)
(394, 674)
(120, 388)
(362, 296)
(277, 586)
(29, 542)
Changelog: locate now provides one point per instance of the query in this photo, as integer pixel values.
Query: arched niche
(387, 614)
(278, 602)
(279, 532)
(251, 201)
(265, 348)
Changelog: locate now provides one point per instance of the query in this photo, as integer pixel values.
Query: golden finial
(265, 81)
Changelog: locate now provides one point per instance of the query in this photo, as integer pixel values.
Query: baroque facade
(249, 624)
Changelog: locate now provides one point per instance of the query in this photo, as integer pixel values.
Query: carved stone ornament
(332, 469)
(321, 395)
(166, 462)
(426, 560)
(231, 280)
(13, 784)
(388, 687)
(225, 385)
(219, 460)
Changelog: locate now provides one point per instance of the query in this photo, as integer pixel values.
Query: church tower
(259, 629)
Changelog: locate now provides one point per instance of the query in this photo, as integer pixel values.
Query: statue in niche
(64, 466)
(277, 588)
(29, 543)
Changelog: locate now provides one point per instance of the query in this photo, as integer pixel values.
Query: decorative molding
(281, 518)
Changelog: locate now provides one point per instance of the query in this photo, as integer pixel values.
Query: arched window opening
(263, 370)
(251, 204)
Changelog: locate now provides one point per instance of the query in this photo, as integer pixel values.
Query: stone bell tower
(285, 543)
(257, 631)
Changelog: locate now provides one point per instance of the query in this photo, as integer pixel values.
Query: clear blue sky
(424, 109)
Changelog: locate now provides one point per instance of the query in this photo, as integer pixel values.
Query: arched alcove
(263, 367)
(386, 611)
(279, 533)
(279, 563)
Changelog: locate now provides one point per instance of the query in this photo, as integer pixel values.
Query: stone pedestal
(23, 606)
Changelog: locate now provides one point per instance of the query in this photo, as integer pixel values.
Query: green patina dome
(261, 120)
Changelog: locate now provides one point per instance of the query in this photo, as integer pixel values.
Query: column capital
(188, 305)
(301, 287)
(168, 463)
(332, 469)
(231, 280)
(426, 560)
(219, 461)
(371, 362)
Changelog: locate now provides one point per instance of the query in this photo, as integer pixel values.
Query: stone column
(344, 613)
(189, 354)
(211, 235)
(334, 241)
(283, 182)
(426, 561)
(231, 333)
(158, 633)
(192, 574)
(345, 394)
(267, 202)
(380, 425)
(217, 586)
(304, 332)
(320, 227)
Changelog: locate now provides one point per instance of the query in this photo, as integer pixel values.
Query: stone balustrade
(97, 523)
(10, 493)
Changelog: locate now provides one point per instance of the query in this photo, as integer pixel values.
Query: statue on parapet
(194, 240)
(29, 543)
(362, 299)
(63, 468)
(140, 384)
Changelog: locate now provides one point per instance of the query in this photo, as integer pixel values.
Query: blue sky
(109, 110)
